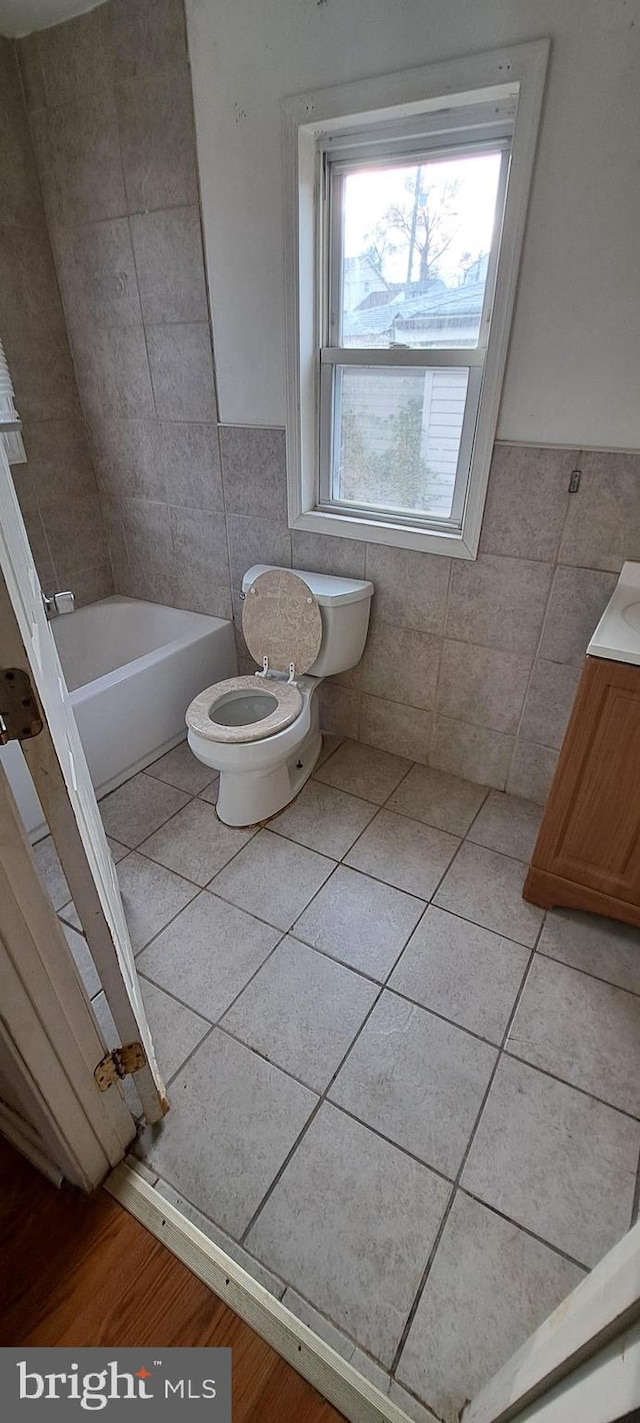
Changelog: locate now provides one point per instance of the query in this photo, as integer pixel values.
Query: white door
(52, 1106)
(61, 778)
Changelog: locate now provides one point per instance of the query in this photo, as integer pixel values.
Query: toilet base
(254, 797)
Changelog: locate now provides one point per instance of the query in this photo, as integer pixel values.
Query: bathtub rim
(208, 624)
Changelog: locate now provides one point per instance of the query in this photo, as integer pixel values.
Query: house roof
(457, 303)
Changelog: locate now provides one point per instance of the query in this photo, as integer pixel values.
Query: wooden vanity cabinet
(587, 854)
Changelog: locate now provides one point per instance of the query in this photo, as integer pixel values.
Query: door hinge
(120, 1062)
(20, 717)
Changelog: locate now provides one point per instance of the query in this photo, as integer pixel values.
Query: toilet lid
(281, 620)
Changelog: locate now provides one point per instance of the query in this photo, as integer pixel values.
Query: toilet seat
(288, 706)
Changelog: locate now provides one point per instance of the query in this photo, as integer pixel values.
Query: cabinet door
(591, 829)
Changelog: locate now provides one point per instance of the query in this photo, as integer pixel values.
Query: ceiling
(20, 17)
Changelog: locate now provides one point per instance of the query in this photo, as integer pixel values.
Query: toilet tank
(344, 605)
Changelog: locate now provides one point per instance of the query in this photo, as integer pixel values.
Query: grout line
(194, 1050)
(435, 712)
(195, 795)
(588, 973)
(447, 1212)
(214, 1022)
(564, 1082)
(322, 1100)
(534, 662)
(533, 1235)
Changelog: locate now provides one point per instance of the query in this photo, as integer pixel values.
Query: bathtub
(131, 668)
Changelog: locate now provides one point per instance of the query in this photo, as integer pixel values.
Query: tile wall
(472, 667)
(110, 110)
(57, 487)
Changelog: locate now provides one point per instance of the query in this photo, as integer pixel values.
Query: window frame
(426, 103)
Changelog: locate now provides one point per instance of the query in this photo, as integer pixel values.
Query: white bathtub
(131, 668)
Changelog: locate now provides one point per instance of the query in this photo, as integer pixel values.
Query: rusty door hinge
(120, 1062)
(20, 716)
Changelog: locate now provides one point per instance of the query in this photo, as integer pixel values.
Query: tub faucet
(58, 603)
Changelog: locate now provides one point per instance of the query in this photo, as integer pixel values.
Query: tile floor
(405, 1099)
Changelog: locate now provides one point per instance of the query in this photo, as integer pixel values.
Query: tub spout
(58, 603)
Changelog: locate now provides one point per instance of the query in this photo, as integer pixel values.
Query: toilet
(261, 732)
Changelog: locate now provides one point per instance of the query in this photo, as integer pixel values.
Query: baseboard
(317, 1362)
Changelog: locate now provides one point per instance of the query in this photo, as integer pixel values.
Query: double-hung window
(408, 218)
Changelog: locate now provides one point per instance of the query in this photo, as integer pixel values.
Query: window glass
(414, 252)
(397, 436)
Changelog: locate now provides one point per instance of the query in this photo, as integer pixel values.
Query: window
(408, 219)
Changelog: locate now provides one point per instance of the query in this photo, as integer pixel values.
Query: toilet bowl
(261, 732)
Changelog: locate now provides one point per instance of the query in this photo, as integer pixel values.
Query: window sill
(343, 526)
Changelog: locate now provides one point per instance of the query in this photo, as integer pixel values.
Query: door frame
(50, 1043)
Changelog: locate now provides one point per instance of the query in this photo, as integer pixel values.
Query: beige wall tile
(549, 702)
(28, 54)
(410, 588)
(578, 599)
(147, 36)
(188, 455)
(256, 541)
(473, 752)
(339, 710)
(498, 602)
(182, 372)
(155, 117)
(201, 559)
(29, 296)
(21, 195)
(123, 372)
(391, 726)
(527, 501)
(97, 273)
(43, 375)
(321, 553)
(401, 665)
(78, 152)
(254, 471)
(482, 685)
(531, 771)
(603, 522)
(76, 58)
(170, 265)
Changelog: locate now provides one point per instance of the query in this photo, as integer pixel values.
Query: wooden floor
(80, 1271)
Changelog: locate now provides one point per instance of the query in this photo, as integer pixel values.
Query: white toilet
(262, 732)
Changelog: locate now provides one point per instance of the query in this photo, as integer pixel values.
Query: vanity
(587, 855)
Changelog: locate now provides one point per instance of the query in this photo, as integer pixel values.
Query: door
(51, 1106)
(61, 778)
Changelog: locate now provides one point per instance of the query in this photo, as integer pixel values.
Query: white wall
(573, 370)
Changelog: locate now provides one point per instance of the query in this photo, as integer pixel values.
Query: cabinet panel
(590, 834)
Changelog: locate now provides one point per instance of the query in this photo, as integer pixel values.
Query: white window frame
(424, 101)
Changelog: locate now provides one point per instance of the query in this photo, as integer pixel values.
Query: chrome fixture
(59, 603)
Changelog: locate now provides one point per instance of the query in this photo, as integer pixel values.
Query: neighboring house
(432, 315)
(363, 284)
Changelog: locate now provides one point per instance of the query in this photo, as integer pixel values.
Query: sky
(370, 192)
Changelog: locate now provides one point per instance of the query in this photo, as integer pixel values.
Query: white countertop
(617, 635)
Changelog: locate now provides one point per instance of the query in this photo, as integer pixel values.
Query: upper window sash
(330, 229)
